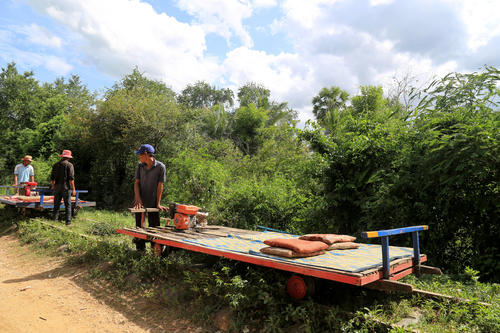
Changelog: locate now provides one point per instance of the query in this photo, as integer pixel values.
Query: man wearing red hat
(63, 178)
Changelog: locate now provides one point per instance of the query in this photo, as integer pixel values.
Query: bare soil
(44, 294)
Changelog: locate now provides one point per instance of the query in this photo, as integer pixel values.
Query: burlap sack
(343, 246)
(328, 238)
(297, 245)
(287, 253)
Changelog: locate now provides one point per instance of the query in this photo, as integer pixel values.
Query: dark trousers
(66, 196)
(153, 221)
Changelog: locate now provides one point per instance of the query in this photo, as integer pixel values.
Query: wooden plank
(143, 210)
(162, 235)
(401, 274)
(400, 265)
(430, 270)
(431, 294)
(389, 285)
(396, 262)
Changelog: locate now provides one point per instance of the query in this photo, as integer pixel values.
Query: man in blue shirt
(148, 188)
(24, 172)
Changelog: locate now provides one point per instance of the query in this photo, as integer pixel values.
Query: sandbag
(328, 238)
(297, 245)
(287, 253)
(343, 246)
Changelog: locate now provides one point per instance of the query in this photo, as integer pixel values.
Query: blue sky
(292, 47)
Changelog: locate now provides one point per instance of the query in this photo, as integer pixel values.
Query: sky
(292, 47)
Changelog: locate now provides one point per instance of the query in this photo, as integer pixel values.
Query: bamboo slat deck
(357, 267)
(45, 202)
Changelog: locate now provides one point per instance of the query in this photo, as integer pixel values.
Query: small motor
(28, 186)
(184, 216)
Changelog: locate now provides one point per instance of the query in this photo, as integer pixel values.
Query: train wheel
(298, 287)
(158, 248)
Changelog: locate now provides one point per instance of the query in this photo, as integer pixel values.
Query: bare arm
(15, 179)
(137, 194)
(159, 192)
(32, 178)
(72, 184)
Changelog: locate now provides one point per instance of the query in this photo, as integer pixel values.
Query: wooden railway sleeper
(396, 286)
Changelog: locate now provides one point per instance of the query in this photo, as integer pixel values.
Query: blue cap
(145, 149)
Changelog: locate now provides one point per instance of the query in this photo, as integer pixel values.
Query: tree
(137, 80)
(137, 111)
(18, 98)
(475, 91)
(402, 95)
(440, 169)
(370, 101)
(281, 113)
(248, 124)
(217, 123)
(253, 93)
(203, 95)
(331, 99)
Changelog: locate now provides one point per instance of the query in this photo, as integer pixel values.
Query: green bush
(102, 229)
(439, 168)
(271, 202)
(194, 177)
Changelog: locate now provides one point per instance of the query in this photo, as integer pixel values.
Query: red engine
(183, 215)
(29, 185)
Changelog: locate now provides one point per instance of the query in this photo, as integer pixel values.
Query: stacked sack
(308, 245)
(334, 242)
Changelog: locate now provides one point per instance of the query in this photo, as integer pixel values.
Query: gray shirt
(148, 181)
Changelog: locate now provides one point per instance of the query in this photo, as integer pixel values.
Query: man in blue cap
(148, 188)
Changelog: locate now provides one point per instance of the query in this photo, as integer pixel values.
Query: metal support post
(416, 252)
(385, 256)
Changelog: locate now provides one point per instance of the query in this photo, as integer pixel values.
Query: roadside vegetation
(253, 297)
(370, 161)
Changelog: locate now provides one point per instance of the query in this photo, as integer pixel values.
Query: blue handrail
(275, 230)
(384, 235)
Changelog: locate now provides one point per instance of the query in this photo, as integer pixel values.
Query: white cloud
(32, 60)
(264, 3)
(120, 34)
(380, 2)
(305, 13)
(40, 35)
(284, 74)
(57, 65)
(333, 42)
(482, 19)
(372, 43)
(224, 17)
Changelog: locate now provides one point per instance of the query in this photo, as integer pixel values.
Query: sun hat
(28, 158)
(145, 148)
(66, 153)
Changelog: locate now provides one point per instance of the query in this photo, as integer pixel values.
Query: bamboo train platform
(360, 267)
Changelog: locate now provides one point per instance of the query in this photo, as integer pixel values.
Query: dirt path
(42, 294)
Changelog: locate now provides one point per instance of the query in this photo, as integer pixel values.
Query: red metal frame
(397, 271)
